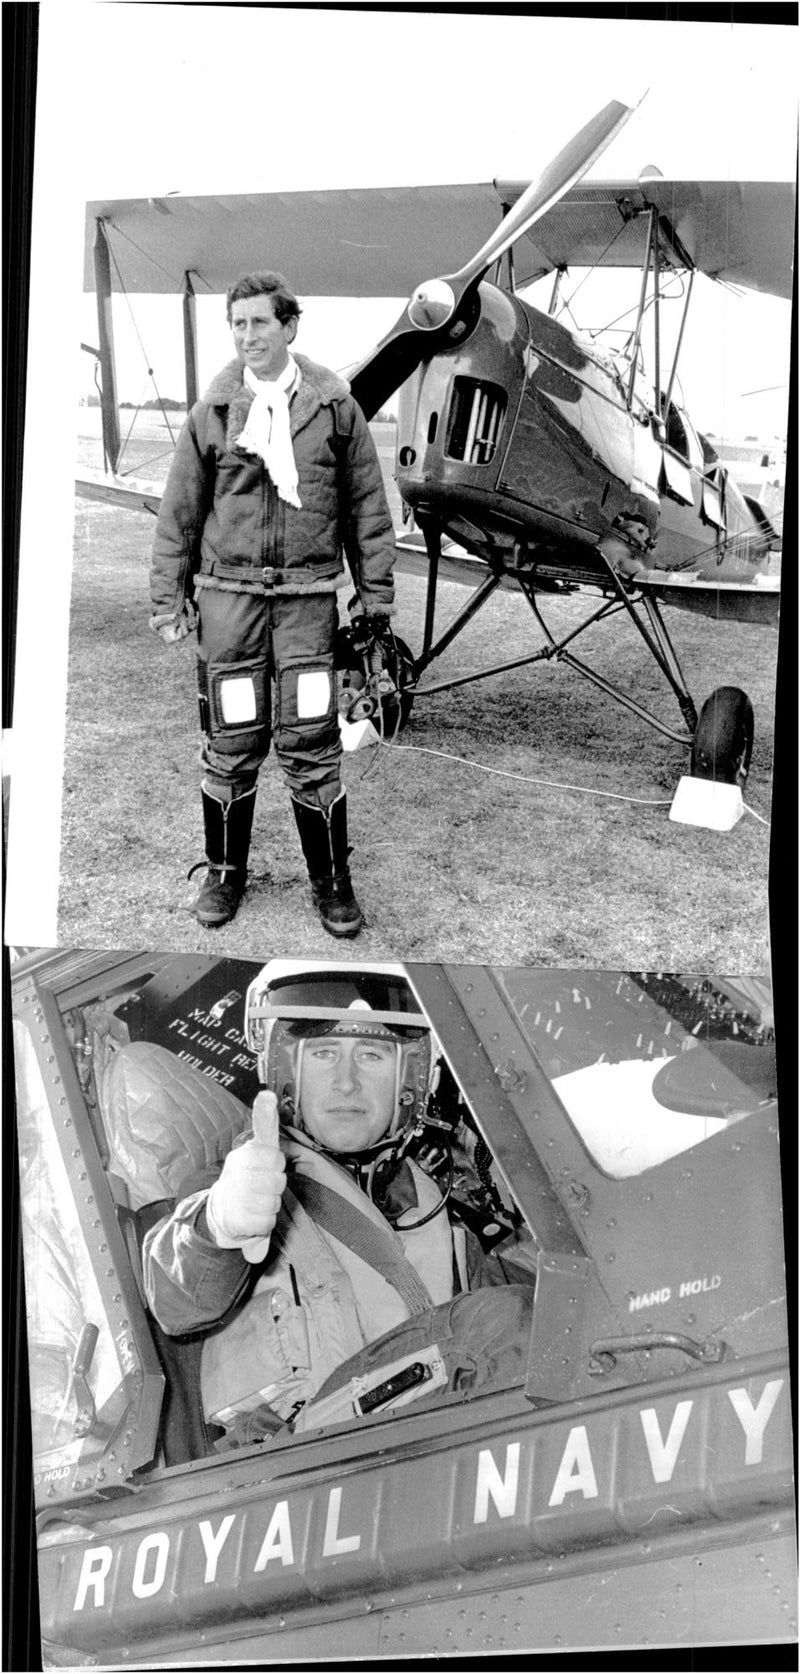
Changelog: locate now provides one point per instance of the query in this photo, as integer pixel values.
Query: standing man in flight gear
(322, 1234)
(275, 474)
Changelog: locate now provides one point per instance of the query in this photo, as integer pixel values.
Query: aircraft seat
(165, 1122)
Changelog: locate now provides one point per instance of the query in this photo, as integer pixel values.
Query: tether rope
(549, 784)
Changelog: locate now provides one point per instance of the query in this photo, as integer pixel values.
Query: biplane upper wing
(365, 242)
(741, 231)
(380, 241)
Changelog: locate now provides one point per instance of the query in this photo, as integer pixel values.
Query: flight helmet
(292, 1001)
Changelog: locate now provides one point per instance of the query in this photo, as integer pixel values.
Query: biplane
(528, 455)
(615, 1136)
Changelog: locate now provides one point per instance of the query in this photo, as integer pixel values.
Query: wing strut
(190, 339)
(673, 373)
(108, 374)
(637, 336)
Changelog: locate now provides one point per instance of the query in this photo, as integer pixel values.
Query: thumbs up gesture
(243, 1203)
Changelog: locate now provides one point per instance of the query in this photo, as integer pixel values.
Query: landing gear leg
(432, 536)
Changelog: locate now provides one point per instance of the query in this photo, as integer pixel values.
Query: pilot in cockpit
(321, 1259)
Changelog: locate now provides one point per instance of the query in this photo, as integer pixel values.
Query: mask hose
(411, 1226)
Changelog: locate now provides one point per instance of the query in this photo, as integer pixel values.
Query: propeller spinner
(438, 305)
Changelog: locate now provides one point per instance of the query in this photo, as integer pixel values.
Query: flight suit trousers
(265, 671)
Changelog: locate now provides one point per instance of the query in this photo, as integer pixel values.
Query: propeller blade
(433, 309)
(393, 360)
(564, 171)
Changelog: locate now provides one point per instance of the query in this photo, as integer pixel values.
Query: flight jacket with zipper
(284, 1326)
(221, 523)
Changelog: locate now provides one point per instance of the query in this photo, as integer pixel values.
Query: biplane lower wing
(130, 492)
(134, 494)
(755, 601)
(725, 601)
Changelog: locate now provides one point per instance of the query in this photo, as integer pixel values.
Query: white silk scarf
(267, 432)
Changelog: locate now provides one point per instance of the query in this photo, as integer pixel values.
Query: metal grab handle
(603, 1354)
(85, 1415)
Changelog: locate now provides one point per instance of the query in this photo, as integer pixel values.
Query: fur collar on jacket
(318, 387)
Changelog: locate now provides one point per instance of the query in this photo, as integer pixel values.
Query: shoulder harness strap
(379, 1249)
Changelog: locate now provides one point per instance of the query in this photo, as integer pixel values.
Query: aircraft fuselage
(524, 437)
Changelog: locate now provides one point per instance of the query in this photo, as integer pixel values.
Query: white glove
(242, 1205)
(174, 626)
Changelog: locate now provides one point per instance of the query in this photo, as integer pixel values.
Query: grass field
(449, 861)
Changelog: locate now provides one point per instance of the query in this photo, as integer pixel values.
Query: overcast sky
(228, 98)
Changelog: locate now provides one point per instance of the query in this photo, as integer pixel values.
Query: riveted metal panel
(499, 1489)
(514, 1104)
(564, 1285)
(697, 1595)
(504, 1084)
(570, 1310)
(699, 1598)
(692, 1245)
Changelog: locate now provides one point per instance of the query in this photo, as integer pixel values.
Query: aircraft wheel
(723, 741)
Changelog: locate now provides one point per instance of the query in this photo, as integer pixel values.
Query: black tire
(723, 740)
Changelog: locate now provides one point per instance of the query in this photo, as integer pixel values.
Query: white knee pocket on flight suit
(237, 697)
(235, 703)
(306, 699)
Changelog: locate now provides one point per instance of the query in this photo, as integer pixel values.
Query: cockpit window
(647, 1065)
(77, 1363)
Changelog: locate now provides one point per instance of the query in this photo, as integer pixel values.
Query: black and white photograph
(399, 852)
(515, 604)
(438, 1306)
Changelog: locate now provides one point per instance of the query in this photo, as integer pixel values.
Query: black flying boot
(323, 835)
(228, 827)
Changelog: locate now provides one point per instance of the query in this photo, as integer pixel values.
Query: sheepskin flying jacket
(221, 523)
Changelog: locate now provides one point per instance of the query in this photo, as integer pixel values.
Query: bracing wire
(145, 356)
(664, 296)
(568, 301)
(142, 252)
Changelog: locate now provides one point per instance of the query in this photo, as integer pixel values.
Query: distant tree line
(166, 403)
(169, 405)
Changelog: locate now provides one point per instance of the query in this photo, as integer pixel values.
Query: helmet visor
(365, 1002)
